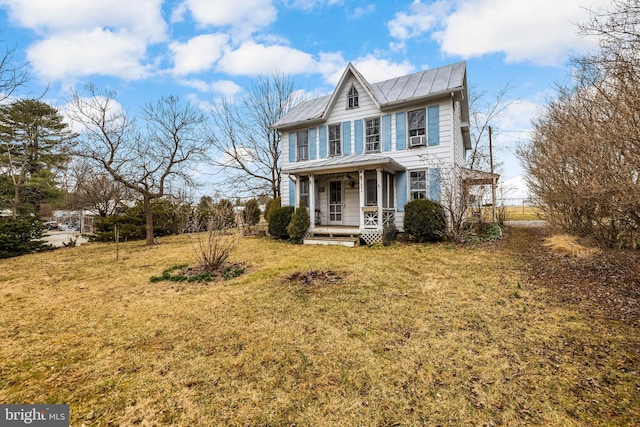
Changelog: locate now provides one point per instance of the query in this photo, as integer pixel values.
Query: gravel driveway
(59, 238)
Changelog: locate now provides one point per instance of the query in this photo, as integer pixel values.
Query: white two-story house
(356, 157)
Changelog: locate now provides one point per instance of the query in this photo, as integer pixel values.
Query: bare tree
(95, 189)
(484, 110)
(12, 75)
(144, 160)
(250, 149)
(213, 246)
(583, 162)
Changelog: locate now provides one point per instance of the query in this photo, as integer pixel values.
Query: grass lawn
(406, 335)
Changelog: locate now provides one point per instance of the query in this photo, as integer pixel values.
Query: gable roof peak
(350, 70)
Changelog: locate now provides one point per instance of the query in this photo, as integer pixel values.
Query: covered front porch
(347, 196)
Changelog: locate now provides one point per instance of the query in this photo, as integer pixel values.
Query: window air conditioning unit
(417, 141)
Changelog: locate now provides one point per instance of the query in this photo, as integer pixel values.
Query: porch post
(312, 201)
(296, 202)
(380, 204)
(363, 201)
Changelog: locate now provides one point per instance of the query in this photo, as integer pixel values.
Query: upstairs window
(335, 146)
(302, 144)
(372, 135)
(417, 124)
(352, 98)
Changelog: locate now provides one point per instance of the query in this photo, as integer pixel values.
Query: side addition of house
(356, 157)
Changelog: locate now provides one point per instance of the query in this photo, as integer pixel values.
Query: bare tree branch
(143, 160)
(250, 149)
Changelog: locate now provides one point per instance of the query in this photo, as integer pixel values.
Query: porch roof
(476, 177)
(342, 164)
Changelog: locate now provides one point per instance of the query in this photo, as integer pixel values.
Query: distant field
(405, 335)
(513, 213)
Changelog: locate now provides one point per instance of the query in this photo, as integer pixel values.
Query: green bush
(279, 222)
(224, 215)
(271, 205)
(424, 220)
(299, 224)
(251, 213)
(21, 236)
(131, 225)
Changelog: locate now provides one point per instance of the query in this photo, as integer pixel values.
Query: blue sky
(203, 50)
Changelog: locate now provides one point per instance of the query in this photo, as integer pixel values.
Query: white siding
(458, 143)
(415, 158)
(341, 113)
(285, 182)
(284, 145)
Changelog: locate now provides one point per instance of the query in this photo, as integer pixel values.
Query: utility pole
(493, 179)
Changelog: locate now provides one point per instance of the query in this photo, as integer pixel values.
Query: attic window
(352, 98)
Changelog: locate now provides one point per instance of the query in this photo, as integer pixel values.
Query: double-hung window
(417, 124)
(352, 98)
(302, 144)
(335, 146)
(418, 184)
(372, 135)
(304, 191)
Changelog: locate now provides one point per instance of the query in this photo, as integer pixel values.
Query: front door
(335, 202)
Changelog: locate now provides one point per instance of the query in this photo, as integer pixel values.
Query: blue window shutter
(434, 125)
(292, 147)
(386, 132)
(357, 127)
(292, 192)
(312, 144)
(323, 142)
(435, 184)
(401, 189)
(346, 138)
(401, 131)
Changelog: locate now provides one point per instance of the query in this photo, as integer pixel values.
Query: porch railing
(371, 219)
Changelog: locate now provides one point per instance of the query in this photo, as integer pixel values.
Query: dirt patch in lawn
(602, 282)
(315, 278)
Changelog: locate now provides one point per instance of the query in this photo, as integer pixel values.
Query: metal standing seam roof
(390, 92)
(341, 162)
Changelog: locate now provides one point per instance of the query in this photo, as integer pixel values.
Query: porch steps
(350, 242)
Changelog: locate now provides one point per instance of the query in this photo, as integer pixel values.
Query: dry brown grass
(408, 335)
(569, 246)
(522, 213)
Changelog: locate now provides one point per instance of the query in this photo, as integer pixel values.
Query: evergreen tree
(34, 145)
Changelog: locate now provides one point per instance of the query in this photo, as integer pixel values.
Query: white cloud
(252, 59)
(361, 11)
(140, 17)
(84, 53)
(78, 38)
(420, 19)
(372, 68)
(312, 4)
(198, 54)
(115, 112)
(225, 87)
(542, 32)
(331, 66)
(177, 14)
(244, 16)
(376, 70)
